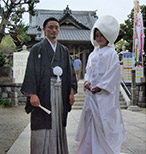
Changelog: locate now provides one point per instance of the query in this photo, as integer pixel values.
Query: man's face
(51, 30)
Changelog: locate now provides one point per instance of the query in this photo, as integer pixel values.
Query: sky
(120, 9)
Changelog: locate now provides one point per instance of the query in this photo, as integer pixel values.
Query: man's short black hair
(49, 19)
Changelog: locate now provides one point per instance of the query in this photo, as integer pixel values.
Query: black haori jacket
(37, 81)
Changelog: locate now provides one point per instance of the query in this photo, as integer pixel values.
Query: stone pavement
(135, 125)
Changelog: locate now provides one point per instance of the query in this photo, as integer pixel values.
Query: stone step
(80, 90)
(122, 102)
(121, 98)
(78, 103)
(80, 94)
(77, 107)
(122, 106)
(80, 86)
(80, 98)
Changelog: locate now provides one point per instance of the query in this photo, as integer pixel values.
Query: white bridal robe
(101, 129)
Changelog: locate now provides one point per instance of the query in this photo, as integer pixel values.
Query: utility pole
(133, 106)
(133, 88)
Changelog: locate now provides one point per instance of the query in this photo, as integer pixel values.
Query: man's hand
(87, 85)
(71, 97)
(34, 100)
(95, 90)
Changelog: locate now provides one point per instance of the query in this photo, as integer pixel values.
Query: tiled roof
(85, 19)
(66, 34)
(74, 35)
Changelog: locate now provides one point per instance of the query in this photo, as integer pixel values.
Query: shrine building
(75, 28)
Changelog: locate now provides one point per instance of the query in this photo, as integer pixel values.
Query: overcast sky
(117, 8)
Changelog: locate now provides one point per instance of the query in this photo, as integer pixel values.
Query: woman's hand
(34, 100)
(87, 85)
(95, 90)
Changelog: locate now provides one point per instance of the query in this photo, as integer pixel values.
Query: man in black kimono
(48, 134)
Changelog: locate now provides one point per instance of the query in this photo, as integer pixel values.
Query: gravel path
(12, 122)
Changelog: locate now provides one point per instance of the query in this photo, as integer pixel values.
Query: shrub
(2, 60)
(5, 103)
(7, 46)
(11, 63)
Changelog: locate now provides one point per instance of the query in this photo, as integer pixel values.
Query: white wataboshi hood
(109, 27)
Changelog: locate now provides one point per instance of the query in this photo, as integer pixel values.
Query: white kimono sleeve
(112, 76)
(88, 69)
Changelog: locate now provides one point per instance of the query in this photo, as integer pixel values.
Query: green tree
(7, 46)
(126, 29)
(19, 34)
(12, 13)
(120, 44)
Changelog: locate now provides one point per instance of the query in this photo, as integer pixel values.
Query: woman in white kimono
(101, 129)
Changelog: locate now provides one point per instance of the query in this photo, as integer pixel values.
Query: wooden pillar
(84, 63)
(70, 49)
(78, 52)
(74, 52)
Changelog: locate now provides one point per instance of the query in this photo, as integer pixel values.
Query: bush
(2, 60)
(5, 103)
(11, 63)
(7, 46)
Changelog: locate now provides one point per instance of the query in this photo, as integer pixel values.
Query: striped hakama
(51, 141)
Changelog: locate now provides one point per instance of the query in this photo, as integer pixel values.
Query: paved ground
(12, 122)
(135, 125)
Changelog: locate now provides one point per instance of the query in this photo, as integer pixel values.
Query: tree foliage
(120, 44)
(12, 12)
(19, 34)
(7, 46)
(2, 60)
(126, 29)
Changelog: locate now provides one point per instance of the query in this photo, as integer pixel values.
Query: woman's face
(100, 39)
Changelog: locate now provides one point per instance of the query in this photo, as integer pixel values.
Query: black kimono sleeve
(29, 85)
